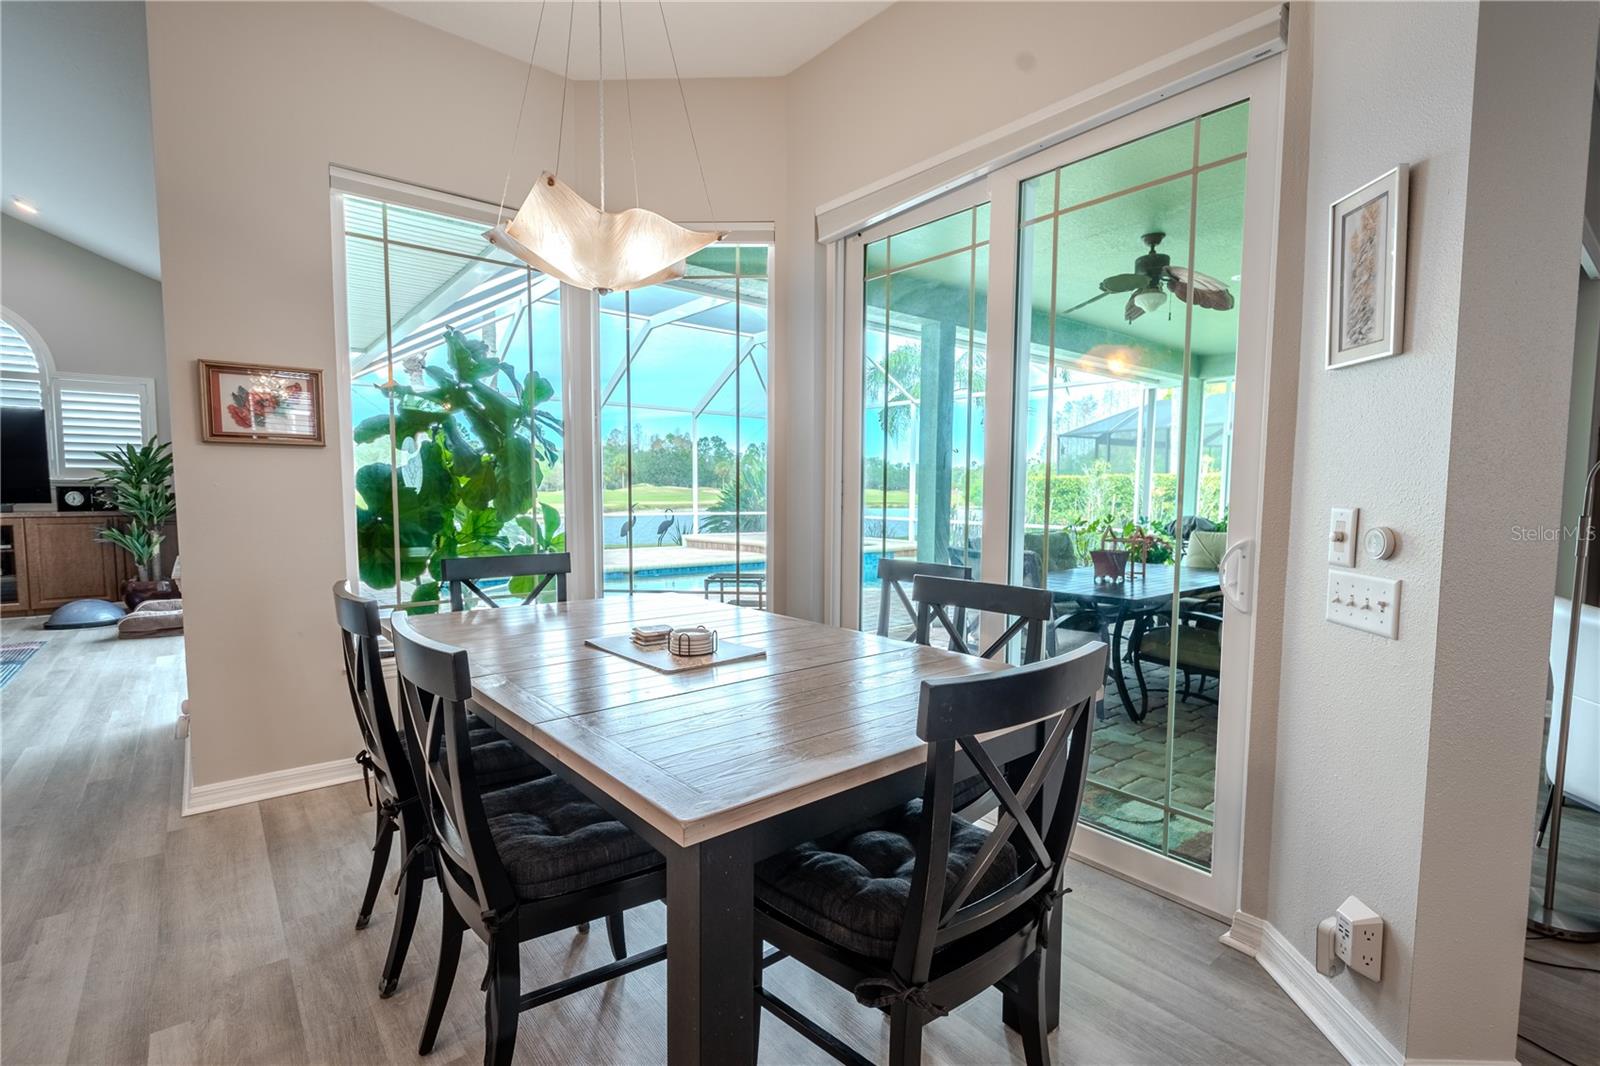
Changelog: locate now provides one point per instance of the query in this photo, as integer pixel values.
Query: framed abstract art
(1367, 271)
(245, 403)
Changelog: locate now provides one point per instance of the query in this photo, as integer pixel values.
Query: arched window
(87, 413)
(24, 365)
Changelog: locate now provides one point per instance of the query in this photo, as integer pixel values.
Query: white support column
(580, 403)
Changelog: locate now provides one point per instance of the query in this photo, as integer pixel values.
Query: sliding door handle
(1235, 568)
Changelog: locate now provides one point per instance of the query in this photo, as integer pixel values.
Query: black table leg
(1111, 633)
(711, 1004)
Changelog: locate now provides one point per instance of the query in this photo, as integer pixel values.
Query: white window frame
(146, 389)
(580, 394)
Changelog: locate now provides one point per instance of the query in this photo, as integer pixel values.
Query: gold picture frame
(252, 403)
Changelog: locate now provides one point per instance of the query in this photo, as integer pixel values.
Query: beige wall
(96, 316)
(1391, 83)
(244, 137)
(1402, 767)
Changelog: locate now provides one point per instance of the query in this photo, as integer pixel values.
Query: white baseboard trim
(1461, 1062)
(198, 799)
(1244, 935)
(1346, 1028)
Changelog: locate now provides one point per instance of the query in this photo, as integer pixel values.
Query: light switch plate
(1342, 535)
(1370, 604)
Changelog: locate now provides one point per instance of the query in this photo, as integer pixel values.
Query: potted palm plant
(138, 480)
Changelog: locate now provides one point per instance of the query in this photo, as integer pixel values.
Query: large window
(683, 376)
(455, 386)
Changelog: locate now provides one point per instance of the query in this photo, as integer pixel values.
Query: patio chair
(1198, 639)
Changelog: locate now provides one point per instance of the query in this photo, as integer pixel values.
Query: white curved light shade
(567, 237)
(1150, 299)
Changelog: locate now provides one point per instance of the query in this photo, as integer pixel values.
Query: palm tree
(895, 392)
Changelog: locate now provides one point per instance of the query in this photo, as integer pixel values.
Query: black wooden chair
(513, 864)
(463, 574)
(918, 911)
(947, 600)
(893, 574)
(385, 767)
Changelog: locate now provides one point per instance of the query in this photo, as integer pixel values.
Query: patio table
(1114, 602)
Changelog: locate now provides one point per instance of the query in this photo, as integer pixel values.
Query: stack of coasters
(695, 640)
(651, 636)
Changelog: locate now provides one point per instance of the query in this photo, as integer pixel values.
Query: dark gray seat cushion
(552, 840)
(851, 888)
(496, 760)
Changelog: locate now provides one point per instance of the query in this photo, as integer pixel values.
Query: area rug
(13, 657)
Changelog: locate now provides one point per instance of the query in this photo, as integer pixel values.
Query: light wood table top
(701, 753)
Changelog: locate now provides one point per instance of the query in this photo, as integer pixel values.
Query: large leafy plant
(138, 480)
(475, 459)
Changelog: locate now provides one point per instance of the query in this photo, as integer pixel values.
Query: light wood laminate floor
(131, 935)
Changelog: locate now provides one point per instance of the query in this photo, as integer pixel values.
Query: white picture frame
(1367, 271)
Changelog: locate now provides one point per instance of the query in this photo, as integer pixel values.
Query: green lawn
(655, 497)
(886, 498)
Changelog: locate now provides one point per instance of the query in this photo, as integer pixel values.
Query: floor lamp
(1543, 917)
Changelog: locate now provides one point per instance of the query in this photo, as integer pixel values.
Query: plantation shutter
(98, 415)
(20, 380)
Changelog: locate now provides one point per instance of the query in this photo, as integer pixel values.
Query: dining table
(717, 767)
(1114, 602)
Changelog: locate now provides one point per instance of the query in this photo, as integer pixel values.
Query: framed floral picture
(242, 403)
(1367, 271)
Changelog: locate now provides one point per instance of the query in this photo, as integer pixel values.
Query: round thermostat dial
(1380, 542)
(74, 498)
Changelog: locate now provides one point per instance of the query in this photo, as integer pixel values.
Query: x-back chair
(514, 864)
(975, 910)
(386, 770)
(895, 574)
(463, 574)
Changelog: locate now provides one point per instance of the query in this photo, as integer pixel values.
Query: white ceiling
(75, 87)
(750, 39)
(75, 108)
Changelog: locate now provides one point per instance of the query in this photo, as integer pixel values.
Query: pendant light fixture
(562, 234)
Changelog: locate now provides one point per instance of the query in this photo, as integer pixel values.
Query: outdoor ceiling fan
(1153, 277)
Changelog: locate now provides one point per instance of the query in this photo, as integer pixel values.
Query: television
(24, 456)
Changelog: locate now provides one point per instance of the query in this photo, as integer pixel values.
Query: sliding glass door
(1098, 459)
(1129, 269)
(922, 372)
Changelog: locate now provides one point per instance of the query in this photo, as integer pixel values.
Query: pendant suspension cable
(600, 79)
(688, 121)
(516, 131)
(566, 72)
(627, 95)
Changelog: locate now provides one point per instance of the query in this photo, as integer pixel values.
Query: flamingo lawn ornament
(666, 524)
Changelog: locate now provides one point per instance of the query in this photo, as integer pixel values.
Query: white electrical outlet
(1358, 938)
(1370, 604)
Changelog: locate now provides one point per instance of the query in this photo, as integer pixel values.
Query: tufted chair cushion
(851, 888)
(552, 840)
